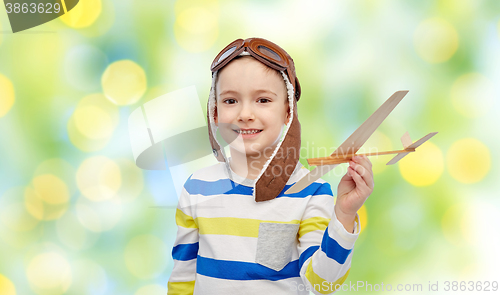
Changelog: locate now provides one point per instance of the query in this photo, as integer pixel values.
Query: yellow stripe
(311, 224)
(184, 220)
(243, 227)
(64, 5)
(180, 288)
(317, 281)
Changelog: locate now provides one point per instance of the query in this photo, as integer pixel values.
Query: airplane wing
(407, 143)
(354, 142)
(419, 142)
(397, 158)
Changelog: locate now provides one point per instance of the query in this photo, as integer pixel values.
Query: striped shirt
(229, 244)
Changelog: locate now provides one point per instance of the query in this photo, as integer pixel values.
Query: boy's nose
(246, 113)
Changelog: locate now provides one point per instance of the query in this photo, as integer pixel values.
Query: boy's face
(251, 98)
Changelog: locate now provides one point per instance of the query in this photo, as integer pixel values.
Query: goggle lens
(268, 52)
(226, 54)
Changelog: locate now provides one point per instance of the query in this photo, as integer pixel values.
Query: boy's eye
(264, 100)
(230, 101)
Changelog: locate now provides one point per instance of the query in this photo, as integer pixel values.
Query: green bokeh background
(433, 217)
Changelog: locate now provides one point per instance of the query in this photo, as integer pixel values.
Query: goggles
(264, 51)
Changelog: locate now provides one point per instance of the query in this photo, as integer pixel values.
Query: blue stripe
(227, 186)
(306, 254)
(238, 270)
(333, 250)
(185, 252)
(324, 189)
(208, 188)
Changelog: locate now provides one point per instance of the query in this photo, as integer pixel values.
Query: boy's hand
(353, 190)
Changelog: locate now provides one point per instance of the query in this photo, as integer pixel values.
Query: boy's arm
(185, 251)
(349, 222)
(325, 246)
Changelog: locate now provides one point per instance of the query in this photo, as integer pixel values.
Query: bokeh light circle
(468, 160)
(47, 197)
(435, 40)
(196, 28)
(99, 216)
(472, 95)
(124, 82)
(84, 14)
(98, 178)
(196, 20)
(6, 94)
(35, 205)
(51, 189)
(6, 286)
(82, 142)
(424, 166)
(363, 217)
(59, 168)
(93, 123)
(49, 272)
(146, 256)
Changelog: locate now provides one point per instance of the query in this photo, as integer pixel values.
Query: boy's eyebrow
(256, 91)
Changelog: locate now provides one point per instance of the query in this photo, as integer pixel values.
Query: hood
(279, 167)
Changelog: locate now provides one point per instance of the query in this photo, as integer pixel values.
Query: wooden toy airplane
(408, 145)
(353, 143)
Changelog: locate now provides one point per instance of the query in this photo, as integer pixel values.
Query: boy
(238, 233)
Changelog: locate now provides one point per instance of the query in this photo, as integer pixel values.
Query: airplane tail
(409, 146)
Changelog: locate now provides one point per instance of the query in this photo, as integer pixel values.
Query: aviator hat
(283, 161)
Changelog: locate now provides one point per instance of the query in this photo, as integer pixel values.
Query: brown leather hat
(280, 166)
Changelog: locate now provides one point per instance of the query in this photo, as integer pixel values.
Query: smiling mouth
(252, 131)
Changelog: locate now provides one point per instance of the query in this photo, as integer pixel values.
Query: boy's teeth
(248, 132)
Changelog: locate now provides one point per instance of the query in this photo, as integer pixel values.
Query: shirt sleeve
(325, 247)
(185, 250)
